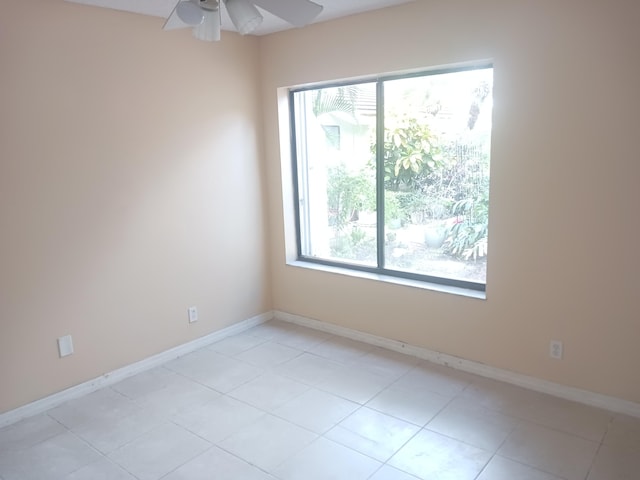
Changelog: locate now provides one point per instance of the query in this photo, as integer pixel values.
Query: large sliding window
(392, 175)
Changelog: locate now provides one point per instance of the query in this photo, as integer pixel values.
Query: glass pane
(335, 149)
(436, 156)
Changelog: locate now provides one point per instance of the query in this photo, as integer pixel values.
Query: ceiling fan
(204, 15)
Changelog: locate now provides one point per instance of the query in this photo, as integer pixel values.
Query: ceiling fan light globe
(190, 13)
(244, 15)
(209, 30)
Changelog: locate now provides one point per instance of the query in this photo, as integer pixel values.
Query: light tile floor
(282, 402)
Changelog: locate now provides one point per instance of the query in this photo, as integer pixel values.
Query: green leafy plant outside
(467, 238)
(411, 153)
(347, 194)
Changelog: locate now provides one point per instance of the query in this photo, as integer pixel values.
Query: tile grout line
(595, 456)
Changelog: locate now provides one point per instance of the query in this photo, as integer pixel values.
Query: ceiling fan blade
(186, 13)
(296, 12)
(190, 12)
(173, 21)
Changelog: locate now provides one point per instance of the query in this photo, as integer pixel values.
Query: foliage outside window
(392, 175)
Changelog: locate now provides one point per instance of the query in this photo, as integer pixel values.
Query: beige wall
(130, 189)
(564, 226)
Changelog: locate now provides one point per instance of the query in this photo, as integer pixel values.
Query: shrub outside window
(392, 175)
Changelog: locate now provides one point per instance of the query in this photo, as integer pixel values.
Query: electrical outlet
(193, 314)
(555, 349)
(65, 346)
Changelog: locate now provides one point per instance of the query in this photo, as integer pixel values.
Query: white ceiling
(271, 23)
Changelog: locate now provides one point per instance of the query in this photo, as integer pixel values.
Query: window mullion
(380, 172)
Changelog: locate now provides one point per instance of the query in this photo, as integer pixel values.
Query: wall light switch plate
(193, 314)
(65, 346)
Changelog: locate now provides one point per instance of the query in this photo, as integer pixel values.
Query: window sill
(434, 287)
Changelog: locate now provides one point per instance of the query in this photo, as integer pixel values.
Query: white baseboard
(569, 393)
(51, 401)
(586, 397)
